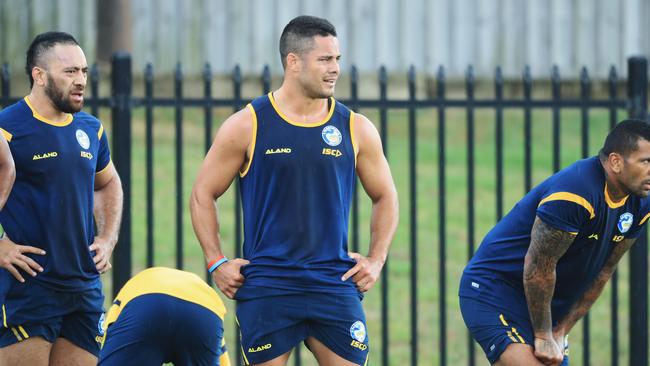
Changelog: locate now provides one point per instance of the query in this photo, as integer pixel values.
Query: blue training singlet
(51, 202)
(573, 200)
(296, 194)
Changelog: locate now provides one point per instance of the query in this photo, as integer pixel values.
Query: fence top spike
(266, 74)
(469, 73)
(584, 74)
(440, 74)
(94, 70)
(555, 73)
(354, 73)
(383, 75)
(411, 73)
(527, 75)
(179, 71)
(498, 75)
(207, 71)
(236, 74)
(613, 74)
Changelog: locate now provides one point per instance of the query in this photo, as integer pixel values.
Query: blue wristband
(217, 264)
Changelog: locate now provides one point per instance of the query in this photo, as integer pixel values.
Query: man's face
(67, 71)
(635, 173)
(320, 67)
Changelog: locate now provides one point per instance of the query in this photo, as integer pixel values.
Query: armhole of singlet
(251, 152)
(355, 148)
(6, 134)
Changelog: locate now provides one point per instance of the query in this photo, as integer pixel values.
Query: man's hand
(228, 276)
(12, 257)
(103, 250)
(560, 338)
(365, 273)
(548, 351)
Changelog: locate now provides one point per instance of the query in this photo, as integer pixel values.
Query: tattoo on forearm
(547, 245)
(582, 306)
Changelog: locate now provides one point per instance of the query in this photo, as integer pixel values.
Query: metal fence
(122, 104)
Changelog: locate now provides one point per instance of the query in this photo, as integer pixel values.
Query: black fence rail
(122, 104)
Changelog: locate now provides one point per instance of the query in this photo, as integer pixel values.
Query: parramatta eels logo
(625, 222)
(331, 135)
(100, 324)
(358, 331)
(82, 139)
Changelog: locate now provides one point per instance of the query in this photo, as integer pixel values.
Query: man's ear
(616, 162)
(38, 74)
(293, 62)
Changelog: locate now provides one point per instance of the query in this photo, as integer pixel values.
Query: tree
(114, 28)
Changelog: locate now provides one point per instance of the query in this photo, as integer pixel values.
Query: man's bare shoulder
(365, 131)
(238, 127)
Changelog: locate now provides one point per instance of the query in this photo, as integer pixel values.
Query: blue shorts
(272, 326)
(156, 328)
(495, 328)
(32, 310)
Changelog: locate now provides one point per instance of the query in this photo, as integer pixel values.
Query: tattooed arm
(547, 245)
(582, 306)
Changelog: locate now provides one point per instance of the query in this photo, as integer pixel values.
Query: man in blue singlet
(7, 178)
(298, 152)
(165, 315)
(65, 184)
(541, 268)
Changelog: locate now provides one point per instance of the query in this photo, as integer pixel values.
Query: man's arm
(13, 256)
(227, 156)
(374, 174)
(7, 171)
(547, 245)
(582, 306)
(108, 215)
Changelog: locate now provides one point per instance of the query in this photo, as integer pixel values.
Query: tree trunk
(114, 29)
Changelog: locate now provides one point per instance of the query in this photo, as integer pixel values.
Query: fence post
(121, 83)
(637, 91)
(5, 80)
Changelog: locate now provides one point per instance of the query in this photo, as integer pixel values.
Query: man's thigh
(271, 326)
(33, 351)
(66, 353)
(504, 336)
(31, 310)
(339, 323)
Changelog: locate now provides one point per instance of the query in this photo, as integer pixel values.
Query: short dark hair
(297, 35)
(40, 45)
(624, 136)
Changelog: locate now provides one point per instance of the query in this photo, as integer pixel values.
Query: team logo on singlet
(82, 139)
(331, 135)
(625, 222)
(100, 324)
(358, 331)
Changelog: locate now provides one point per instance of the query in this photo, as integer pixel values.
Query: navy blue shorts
(32, 310)
(156, 328)
(495, 328)
(272, 326)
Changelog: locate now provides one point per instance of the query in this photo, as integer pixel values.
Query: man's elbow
(199, 197)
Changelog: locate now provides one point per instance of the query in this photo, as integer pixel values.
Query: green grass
(427, 220)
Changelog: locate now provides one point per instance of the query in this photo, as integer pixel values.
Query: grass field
(427, 206)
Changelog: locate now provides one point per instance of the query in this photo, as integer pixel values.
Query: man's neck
(613, 187)
(43, 105)
(300, 107)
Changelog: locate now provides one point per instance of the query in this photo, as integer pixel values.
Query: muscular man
(50, 255)
(541, 268)
(298, 152)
